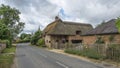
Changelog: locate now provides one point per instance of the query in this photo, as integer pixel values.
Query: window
(76, 41)
(66, 40)
(63, 41)
(57, 40)
(47, 41)
(78, 32)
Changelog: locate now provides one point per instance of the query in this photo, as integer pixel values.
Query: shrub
(2, 41)
(8, 44)
(72, 51)
(40, 42)
(23, 41)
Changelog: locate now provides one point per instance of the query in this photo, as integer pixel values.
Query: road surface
(33, 57)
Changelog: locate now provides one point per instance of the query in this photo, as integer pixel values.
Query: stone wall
(106, 38)
(89, 39)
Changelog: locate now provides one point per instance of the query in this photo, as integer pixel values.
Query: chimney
(57, 18)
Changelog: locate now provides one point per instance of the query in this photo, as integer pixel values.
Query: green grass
(6, 59)
(90, 53)
(9, 50)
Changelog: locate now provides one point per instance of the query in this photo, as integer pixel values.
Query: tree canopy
(36, 37)
(9, 18)
(118, 23)
(10, 24)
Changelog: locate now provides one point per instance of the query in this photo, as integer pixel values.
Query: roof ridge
(68, 22)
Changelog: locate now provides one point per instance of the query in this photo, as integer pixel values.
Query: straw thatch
(60, 27)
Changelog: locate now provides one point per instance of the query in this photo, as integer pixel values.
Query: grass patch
(6, 58)
(9, 50)
(90, 53)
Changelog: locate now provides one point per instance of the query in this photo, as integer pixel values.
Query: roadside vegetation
(10, 27)
(118, 23)
(10, 24)
(7, 57)
(24, 38)
(90, 53)
(98, 52)
(37, 39)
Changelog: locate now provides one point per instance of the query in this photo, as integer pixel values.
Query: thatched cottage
(107, 32)
(59, 32)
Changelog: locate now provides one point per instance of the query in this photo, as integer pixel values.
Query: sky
(39, 13)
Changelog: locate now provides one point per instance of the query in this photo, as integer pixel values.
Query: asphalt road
(33, 57)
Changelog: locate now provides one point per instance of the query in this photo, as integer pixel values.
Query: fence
(101, 51)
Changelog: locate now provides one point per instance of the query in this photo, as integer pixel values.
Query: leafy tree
(9, 18)
(25, 37)
(3, 31)
(36, 37)
(40, 42)
(118, 23)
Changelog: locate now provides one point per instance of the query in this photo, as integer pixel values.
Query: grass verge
(7, 57)
(90, 53)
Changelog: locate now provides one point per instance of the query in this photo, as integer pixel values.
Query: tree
(3, 31)
(25, 36)
(36, 37)
(118, 23)
(9, 18)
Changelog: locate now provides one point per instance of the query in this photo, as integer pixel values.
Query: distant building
(59, 32)
(107, 31)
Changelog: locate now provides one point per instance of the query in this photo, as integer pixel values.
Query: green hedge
(7, 42)
(3, 41)
(23, 41)
(40, 42)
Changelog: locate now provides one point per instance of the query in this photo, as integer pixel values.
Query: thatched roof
(105, 28)
(60, 27)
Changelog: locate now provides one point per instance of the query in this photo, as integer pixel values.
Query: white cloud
(42, 12)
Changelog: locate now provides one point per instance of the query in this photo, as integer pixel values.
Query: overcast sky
(37, 13)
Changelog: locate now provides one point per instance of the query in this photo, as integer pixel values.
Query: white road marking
(62, 64)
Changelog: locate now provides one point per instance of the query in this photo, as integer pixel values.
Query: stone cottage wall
(93, 38)
(48, 41)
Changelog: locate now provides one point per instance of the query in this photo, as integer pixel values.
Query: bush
(2, 41)
(23, 41)
(40, 42)
(8, 44)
